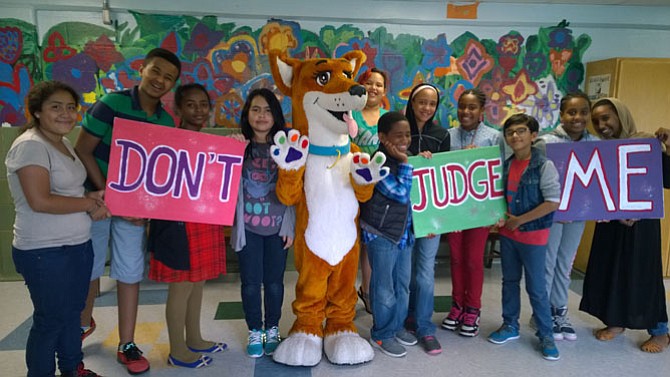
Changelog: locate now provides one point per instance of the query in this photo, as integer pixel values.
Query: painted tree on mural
(517, 73)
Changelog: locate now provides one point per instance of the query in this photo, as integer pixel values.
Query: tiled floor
(461, 356)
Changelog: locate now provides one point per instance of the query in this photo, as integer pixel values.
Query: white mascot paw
(299, 349)
(366, 170)
(347, 348)
(290, 151)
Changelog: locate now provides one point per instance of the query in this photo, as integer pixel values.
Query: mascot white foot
(299, 349)
(347, 348)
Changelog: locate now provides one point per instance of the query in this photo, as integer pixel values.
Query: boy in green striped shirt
(159, 73)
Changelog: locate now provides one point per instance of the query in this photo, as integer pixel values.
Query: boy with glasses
(533, 194)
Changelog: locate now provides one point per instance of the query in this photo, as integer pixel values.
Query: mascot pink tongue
(351, 124)
(326, 245)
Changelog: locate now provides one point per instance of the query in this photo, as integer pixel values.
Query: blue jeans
(58, 280)
(517, 257)
(422, 285)
(660, 329)
(262, 262)
(389, 286)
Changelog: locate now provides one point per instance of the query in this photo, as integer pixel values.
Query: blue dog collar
(329, 151)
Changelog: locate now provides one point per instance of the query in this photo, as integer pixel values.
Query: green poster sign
(457, 190)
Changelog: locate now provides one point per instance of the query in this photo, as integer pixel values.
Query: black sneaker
(563, 326)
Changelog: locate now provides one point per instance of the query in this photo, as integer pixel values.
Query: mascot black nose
(357, 90)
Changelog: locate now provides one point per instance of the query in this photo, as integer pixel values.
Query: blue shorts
(127, 245)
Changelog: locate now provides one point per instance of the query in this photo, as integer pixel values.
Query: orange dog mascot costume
(324, 179)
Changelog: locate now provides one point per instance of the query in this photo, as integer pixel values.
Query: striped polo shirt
(99, 119)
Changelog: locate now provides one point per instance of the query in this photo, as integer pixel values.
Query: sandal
(366, 300)
(608, 333)
(653, 346)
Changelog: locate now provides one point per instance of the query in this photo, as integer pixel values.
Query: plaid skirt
(207, 249)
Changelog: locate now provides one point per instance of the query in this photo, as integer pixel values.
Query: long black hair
(275, 109)
(409, 110)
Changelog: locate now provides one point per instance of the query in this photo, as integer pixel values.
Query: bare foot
(608, 333)
(656, 344)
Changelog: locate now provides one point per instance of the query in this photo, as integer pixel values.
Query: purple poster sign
(609, 179)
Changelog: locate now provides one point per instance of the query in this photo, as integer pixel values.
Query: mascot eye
(322, 78)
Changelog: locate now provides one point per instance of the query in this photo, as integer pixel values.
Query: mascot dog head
(323, 92)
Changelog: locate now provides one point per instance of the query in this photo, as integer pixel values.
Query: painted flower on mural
(104, 52)
(11, 43)
(228, 109)
(235, 58)
(364, 45)
(545, 104)
(15, 82)
(509, 44)
(79, 71)
(436, 53)
(535, 63)
(560, 38)
(201, 71)
(279, 35)
(558, 60)
(57, 49)
(520, 87)
(475, 62)
(574, 75)
(496, 104)
(202, 40)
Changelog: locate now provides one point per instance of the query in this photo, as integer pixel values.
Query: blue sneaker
(272, 340)
(504, 334)
(255, 346)
(549, 350)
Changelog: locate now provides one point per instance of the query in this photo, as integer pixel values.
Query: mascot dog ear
(283, 66)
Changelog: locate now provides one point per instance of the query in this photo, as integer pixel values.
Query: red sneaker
(131, 356)
(88, 331)
(80, 372)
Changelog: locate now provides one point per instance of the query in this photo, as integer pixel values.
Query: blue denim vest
(529, 194)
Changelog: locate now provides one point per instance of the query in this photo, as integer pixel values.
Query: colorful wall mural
(518, 73)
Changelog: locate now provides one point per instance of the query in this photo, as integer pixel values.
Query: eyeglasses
(519, 131)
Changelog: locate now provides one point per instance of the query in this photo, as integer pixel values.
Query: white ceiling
(576, 2)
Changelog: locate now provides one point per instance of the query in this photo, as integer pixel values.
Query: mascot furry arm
(321, 176)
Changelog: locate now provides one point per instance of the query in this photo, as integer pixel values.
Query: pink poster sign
(167, 173)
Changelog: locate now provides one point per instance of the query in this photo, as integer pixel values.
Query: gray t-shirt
(36, 230)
